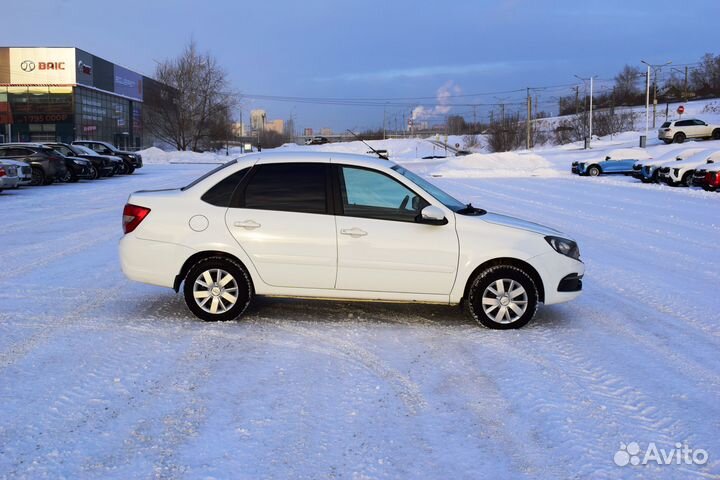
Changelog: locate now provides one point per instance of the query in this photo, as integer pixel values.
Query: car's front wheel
(593, 171)
(502, 297)
(217, 289)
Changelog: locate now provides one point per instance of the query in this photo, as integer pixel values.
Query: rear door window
(288, 187)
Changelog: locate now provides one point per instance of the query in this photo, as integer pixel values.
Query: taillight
(2, 172)
(132, 216)
(712, 179)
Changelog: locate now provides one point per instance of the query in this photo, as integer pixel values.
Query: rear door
(282, 218)
(381, 247)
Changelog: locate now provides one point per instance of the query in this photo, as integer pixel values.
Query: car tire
(593, 171)
(121, 169)
(130, 169)
(716, 134)
(38, 177)
(687, 179)
(94, 173)
(679, 137)
(491, 304)
(205, 291)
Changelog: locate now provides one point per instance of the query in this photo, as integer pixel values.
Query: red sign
(681, 110)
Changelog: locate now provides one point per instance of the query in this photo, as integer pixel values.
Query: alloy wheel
(505, 301)
(215, 291)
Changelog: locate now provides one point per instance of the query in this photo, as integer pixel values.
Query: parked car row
(45, 163)
(696, 166)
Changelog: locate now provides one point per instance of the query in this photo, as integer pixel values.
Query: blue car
(616, 161)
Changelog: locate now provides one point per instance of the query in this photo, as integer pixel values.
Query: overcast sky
(380, 49)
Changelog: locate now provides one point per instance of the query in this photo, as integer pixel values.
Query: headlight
(564, 246)
(78, 162)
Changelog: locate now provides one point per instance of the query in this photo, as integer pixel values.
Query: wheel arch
(513, 262)
(587, 169)
(196, 257)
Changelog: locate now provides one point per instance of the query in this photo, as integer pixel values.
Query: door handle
(353, 232)
(247, 224)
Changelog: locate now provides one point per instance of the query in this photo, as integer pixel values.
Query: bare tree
(627, 89)
(195, 101)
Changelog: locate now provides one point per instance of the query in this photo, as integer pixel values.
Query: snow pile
(154, 155)
(506, 164)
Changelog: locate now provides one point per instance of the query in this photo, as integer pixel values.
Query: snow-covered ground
(101, 377)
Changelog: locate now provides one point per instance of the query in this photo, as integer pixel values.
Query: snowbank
(507, 164)
(154, 155)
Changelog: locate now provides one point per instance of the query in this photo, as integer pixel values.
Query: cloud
(433, 70)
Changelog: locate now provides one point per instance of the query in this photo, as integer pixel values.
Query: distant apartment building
(277, 126)
(257, 119)
(326, 132)
(308, 132)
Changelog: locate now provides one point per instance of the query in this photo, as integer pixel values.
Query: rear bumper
(148, 261)
(9, 182)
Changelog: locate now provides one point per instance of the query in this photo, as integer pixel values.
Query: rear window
(211, 172)
(665, 125)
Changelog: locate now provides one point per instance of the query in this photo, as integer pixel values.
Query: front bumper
(561, 276)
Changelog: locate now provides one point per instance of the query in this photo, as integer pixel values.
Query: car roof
(318, 157)
(23, 144)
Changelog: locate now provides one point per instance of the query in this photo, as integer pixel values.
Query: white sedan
(340, 226)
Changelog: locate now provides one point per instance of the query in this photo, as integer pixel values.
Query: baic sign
(29, 66)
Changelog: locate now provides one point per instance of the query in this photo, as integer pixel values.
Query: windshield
(444, 198)
(80, 150)
(211, 172)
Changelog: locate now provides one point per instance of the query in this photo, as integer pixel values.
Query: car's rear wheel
(502, 297)
(679, 137)
(593, 171)
(687, 179)
(38, 177)
(217, 289)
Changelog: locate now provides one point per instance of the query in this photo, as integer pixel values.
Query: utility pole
(685, 85)
(577, 99)
(383, 122)
(590, 117)
(647, 93)
(529, 115)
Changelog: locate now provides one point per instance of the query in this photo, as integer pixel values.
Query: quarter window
(370, 194)
(221, 194)
(289, 187)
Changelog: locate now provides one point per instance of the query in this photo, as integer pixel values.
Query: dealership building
(66, 94)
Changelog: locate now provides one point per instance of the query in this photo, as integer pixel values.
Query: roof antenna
(376, 152)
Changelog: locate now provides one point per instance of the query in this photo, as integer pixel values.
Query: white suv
(680, 173)
(340, 226)
(679, 130)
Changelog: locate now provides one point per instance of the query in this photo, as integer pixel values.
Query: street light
(589, 139)
(655, 68)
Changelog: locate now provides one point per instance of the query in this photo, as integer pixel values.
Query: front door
(283, 222)
(381, 247)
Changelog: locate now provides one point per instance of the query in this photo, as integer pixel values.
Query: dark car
(102, 165)
(132, 160)
(47, 165)
(316, 141)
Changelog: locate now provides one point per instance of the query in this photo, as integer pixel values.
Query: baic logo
(27, 66)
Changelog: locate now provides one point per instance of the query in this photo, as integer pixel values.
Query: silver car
(8, 177)
(24, 171)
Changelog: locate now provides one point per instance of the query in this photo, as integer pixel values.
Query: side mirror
(432, 215)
